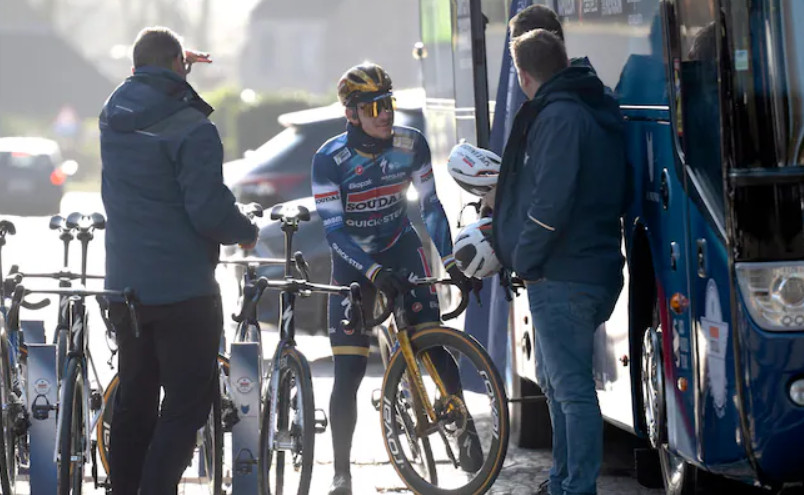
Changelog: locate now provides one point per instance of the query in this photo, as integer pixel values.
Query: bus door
(694, 62)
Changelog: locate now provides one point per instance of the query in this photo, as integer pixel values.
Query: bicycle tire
(422, 341)
(294, 366)
(103, 428)
(384, 339)
(8, 438)
(71, 437)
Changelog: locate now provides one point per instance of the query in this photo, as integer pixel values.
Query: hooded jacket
(562, 185)
(167, 208)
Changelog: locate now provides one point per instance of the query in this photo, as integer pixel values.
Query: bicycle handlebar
(428, 281)
(253, 261)
(253, 292)
(20, 292)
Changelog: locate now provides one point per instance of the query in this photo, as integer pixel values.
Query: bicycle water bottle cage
(245, 462)
(41, 411)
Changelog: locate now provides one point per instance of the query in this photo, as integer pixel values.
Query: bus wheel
(679, 477)
(530, 420)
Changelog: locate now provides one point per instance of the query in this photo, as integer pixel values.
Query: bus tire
(530, 420)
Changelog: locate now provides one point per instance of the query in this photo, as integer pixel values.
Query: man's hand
(191, 57)
(391, 283)
(467, 284)
(251, 245)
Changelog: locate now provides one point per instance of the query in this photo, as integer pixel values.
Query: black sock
(349, 371)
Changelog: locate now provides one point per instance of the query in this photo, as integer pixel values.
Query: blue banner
(488, 321)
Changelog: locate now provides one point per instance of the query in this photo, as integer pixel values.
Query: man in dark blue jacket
(560, 196)
(168, 213)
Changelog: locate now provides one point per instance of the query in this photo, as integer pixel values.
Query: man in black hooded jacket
(168, 213)
(560, 196)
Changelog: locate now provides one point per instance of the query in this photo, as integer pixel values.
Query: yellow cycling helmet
(364, 82)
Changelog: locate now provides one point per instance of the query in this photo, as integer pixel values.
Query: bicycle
(415, 404)
(288, 423)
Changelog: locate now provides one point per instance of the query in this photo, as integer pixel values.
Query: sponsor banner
(375, 199)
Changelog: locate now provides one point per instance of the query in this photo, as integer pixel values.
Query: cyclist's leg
(350, 349)
(187, 337)
(137, 399)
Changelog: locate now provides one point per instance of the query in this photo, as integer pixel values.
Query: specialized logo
(359, 170)
(394, 177)
(375, 199)
(342, 156)
(417, 307)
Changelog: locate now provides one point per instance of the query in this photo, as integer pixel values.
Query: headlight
(774, 294)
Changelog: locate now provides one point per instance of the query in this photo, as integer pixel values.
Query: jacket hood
(148, 96)
(580, 82)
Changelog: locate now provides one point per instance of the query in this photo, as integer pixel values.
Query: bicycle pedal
(376, 398)
(95, 400)
(321, 422)
(229, 416)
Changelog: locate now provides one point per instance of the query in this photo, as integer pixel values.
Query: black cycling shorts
(421, 302)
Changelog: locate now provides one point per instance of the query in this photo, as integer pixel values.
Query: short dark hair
(535, 17)
(157, 46)
(540, 53)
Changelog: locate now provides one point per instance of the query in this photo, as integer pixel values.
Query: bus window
(622, 40)
(700, 106)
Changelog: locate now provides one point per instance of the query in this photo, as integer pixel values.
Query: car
(33, 175)
(279, 170)
(312, 312)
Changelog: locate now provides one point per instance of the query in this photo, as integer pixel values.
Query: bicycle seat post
(289, 227)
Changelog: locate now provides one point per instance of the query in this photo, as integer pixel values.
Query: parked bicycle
(422, 421)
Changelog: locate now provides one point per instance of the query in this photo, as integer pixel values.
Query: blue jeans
(565, 316)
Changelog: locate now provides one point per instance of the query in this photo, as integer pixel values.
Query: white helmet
(473, 252)
(474, 169)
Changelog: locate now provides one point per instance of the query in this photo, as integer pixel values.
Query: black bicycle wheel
(294, 430)
(474, 424)
(210, 448)
(71, 436)
(8, 438)
(215, 481)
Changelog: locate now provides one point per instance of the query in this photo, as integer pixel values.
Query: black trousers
(151, 446)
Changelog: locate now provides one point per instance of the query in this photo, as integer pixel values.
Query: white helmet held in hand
(473, 252)
(474, 169)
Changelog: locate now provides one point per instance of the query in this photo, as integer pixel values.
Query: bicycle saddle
(7, 227)
(290, 213)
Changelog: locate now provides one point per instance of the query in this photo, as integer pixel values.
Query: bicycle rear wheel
(8, 438)
(71, 437)
(470, 436)
(210, 459)
(294, 431)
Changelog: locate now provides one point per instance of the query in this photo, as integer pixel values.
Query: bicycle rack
(43, 393)
(245, 376)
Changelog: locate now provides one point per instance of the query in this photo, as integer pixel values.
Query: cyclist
(168, 213)
(359, 180)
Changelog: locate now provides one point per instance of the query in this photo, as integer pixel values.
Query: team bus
(704, 355)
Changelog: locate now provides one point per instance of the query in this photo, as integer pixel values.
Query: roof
(29, 145)
(40, 72)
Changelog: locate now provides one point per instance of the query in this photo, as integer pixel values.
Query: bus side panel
(714, 354)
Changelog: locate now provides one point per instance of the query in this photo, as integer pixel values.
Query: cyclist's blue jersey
(360, 188)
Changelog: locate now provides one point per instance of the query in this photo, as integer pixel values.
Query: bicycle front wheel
(294, 430)
(469, 437)
(8, 437)
(71, 437)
